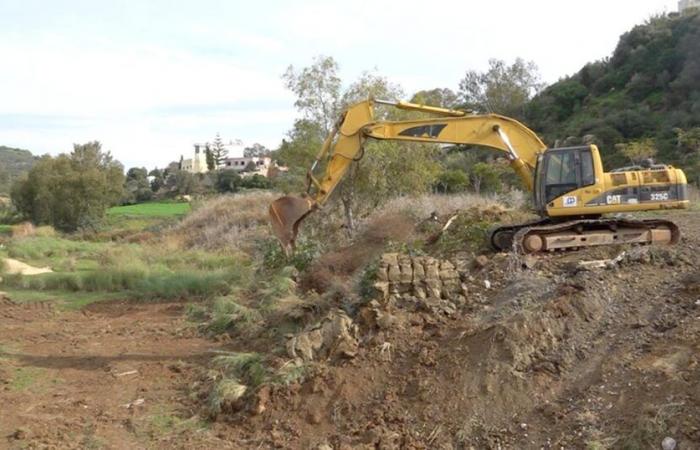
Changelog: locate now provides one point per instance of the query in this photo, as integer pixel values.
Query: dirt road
(114, 375)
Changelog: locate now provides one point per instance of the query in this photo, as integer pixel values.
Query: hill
(648, 88)
(13, 163)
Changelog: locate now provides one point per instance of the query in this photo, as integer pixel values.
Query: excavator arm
(344, 145)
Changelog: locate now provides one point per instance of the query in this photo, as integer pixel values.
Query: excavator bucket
(285, 215)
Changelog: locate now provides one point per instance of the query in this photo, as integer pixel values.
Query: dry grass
(423, 206)
(228, 222)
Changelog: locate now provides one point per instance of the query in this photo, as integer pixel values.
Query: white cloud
(148, 79)
(53, 76)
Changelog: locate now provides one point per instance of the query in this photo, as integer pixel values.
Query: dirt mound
(512, 357)
(334, 269)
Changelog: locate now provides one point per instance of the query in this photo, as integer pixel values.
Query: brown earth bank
(499, 352)
(534, 353)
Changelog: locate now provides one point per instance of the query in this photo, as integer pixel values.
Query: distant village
(236, 160)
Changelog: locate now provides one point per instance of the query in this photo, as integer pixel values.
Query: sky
(149, 78)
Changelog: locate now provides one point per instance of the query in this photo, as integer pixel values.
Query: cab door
(563, 171)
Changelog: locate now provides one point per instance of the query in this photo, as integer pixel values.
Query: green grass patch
(25, 378)
(141, 271)
(5, 229)
(55, 252)
(162, 421)
(129, 283)
(151, 209)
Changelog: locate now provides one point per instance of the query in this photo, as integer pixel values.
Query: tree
(485, 178)
(256, 181)
(256, 151)
(228, 181)
(70, 191)
(385, 170)
(689, 139)
(158, 179)
(181, 182)
(209, 156)
(218, 151)
(451, 181)
(318, 90)
(503, 89)
(136, 187)
(638, 151)
(442, 97)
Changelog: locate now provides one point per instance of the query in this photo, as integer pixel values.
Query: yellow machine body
(566, 182)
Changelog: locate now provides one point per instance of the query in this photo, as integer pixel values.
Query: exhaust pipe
(286, 213)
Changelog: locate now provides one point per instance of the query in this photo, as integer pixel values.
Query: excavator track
(546, 236)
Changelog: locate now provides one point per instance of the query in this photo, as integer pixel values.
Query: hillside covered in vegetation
(13, 163)
(648, 89)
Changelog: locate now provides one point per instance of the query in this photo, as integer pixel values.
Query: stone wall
(423, 277)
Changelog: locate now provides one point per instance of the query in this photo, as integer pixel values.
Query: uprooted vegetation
(413, 335)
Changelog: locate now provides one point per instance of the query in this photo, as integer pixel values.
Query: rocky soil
(457, 352)
(501, 352)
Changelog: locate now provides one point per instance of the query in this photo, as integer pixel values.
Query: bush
(273, 257)
(70, 191)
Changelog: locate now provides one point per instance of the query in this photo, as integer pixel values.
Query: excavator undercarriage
(547, 235)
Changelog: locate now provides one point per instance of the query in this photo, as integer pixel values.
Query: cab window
(567, 170)
(587, 170)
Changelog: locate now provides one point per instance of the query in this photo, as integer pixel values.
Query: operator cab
(560, 171)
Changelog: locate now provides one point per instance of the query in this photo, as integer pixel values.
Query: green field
(153, 209)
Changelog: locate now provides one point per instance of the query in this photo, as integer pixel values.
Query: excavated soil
(534, 354)
(550, 356)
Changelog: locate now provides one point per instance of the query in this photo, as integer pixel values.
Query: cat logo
(570, 201)
(614, 199)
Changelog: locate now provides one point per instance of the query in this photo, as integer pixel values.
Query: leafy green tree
(638, 151)
(228, 181)
(451, 181)
(442, 97)
(70, 191)
(256, 181)
(256, 151)
(210, 159)
(485, 178)
(386, 169)
(158, 179)
(318, 91)
(503, 88)
(689, 139)
(136, 187)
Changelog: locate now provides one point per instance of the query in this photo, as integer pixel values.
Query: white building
(251, 166)
(198, 163)
(683, 5)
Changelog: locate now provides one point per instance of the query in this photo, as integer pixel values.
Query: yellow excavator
(571, 190)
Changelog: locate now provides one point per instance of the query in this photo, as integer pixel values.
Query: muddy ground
(545, 356)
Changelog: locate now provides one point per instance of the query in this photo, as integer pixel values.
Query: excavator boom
(344, 145)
